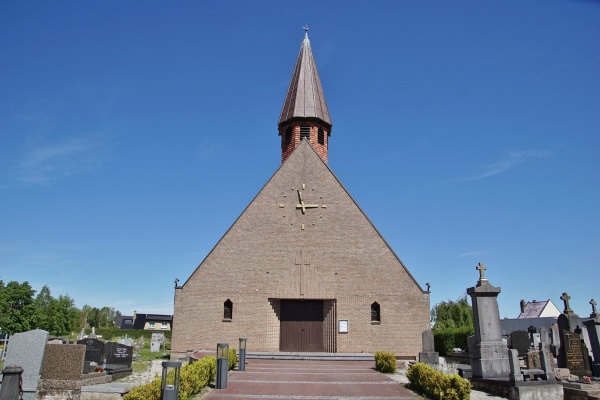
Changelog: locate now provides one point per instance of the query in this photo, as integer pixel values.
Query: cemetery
(555, 360)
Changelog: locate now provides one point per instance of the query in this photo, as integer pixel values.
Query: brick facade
(275, 251)
(287, 147)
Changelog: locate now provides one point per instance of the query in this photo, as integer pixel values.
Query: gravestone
(593, 329)
(27, 349)
(62, 373)
(544, 336)
(428, 355)
(94, 349)
(157, 340)
(63, 362)
(574, 355)
(117, 359)
(555, 339)
(519, 340)
(116, 353)
(533, 360)
(489, 358)
(535, 338)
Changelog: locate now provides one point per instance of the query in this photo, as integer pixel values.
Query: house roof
(535, 309)
(305, 97)
(124, 321)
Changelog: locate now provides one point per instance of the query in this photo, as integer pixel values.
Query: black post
(11, 388)
(222, 365)
(242, 366)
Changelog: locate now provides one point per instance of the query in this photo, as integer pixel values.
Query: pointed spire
(305, 98)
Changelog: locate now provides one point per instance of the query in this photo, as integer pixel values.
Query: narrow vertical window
(321, 136)
(305, 132)
(375, 312)
(227, 309)
(288, 135)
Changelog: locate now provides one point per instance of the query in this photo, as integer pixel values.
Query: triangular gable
(273, 226)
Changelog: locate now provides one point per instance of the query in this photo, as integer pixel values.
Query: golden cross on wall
(302, 205)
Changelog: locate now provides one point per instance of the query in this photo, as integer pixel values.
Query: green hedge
(437, 385)
(447, 339)
(232, 359)
(385, 362)
(193, 378)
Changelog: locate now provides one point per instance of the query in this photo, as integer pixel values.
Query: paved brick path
(306, 379)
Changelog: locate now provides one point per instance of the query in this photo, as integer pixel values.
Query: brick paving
(309, 379)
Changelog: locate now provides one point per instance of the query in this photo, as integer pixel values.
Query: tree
(57, 316)
(452, 314)
(17, 311)
(106, 317)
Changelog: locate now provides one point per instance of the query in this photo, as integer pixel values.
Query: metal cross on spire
(305, 27)
(481, 268)
(594, 310)
(565, 298)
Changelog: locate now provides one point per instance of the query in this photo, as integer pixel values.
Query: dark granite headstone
(118, 354)
(94, 349)
(519, 340)
(574, 355)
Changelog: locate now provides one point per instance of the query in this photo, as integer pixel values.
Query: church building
(302, 269)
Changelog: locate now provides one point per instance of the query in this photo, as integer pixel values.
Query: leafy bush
(385, 362)
(437, 385)
(447, 339)
(233, 358)
(193, 377)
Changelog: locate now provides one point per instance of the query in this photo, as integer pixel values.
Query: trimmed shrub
(193, 377)
(149, 391)
(385, 362)
(447, 339)
(233, 358)
(437, 385)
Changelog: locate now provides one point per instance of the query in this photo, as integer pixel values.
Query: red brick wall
(288, 148)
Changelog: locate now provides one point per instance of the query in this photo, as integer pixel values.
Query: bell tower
(305, 114)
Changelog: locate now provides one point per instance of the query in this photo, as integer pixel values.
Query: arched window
(227, 309)
(375, 312)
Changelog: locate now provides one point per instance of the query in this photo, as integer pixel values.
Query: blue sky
(133, 134)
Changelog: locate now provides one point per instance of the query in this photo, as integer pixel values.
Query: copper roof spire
(305, 98)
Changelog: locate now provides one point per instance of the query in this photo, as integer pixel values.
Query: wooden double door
(301, 325)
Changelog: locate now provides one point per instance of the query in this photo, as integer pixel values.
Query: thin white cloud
(45, 165)
(514, 158)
